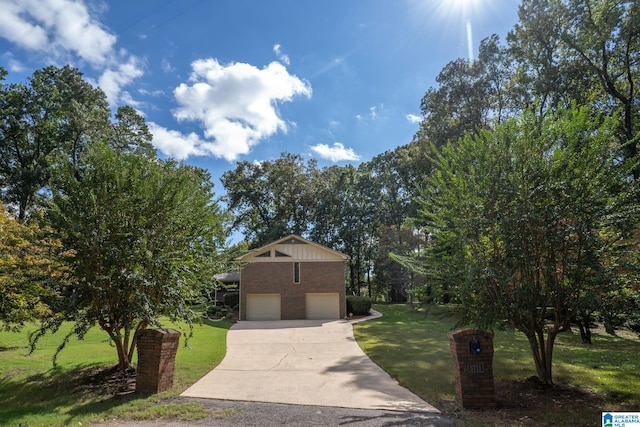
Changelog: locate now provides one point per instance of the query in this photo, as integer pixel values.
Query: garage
(322, 306)
(292, 278)
(263, 307)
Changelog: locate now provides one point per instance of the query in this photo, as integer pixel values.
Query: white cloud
(13, 64)
(373, 113)
(414, 118)
(62, 30)
(277, 49)
(175, 144)
(154, 93)
(56, 27)
(166, 66)
(236, 103)
(15, 28)
(112, 80)
(336, 153)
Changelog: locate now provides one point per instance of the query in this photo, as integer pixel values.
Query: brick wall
(277, 278)
(157, 350)
(475, 388)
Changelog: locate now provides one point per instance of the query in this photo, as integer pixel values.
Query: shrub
(212, 310)
(358, 305)
(231, 299)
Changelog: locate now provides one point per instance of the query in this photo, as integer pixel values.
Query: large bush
(231, 299)
(358, 305)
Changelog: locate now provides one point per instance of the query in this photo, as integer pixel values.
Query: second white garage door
(263, 307)
(323, 306)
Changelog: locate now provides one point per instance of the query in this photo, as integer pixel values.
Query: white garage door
(263, 307)
(323, 306)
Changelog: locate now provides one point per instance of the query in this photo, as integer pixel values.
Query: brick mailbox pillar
(157, 350)
(472, 351)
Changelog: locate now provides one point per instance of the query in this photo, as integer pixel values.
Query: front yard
(413, 347)
(82, 389)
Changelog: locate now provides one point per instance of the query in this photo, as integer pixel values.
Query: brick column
(157, 350)
(472, 351)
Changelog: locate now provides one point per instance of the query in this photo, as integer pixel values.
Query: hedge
(358, 305)
(231, 299)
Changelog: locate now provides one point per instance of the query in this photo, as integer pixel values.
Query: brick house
(292, 278)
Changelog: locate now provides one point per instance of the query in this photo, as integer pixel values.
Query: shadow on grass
(83, 387)
(63, 394)
(395, 418)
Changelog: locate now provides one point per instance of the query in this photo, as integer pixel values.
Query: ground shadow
(101, 387)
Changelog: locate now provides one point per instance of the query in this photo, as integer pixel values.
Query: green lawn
(413, 347)
(33, 393)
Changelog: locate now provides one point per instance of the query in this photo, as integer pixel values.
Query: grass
(413, 347)
(33, 393)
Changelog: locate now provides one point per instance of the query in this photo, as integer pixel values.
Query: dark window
(280, 254)
(296, 272)
(264, 255)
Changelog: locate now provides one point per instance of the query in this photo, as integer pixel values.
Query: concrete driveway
(302, 362)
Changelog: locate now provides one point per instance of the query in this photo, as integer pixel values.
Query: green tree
(31, 269)
(130, 133)
(144, 231)
(394, 176)
(271, 199)
(584, 51)
(471, 95)
(49, 119)
(530, 223)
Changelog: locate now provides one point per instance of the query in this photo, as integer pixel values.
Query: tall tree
(535, 217)
(470, 95)
(584, 51)
(130, 133)
(51, 118)
(31, 269)
(271, 199)
(394, 175)
(142, 230)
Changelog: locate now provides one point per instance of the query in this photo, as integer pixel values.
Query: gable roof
(292, 248)
(229, 277)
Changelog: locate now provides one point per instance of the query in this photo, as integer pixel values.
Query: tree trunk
(124, 362)
(585, 330)
(134, 342)
(542, 354)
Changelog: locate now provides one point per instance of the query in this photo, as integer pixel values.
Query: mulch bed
(529, 402)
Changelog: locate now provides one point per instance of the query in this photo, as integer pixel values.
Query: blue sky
(221, 81)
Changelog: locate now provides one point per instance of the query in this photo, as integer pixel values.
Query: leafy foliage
(231, 299)
(270, 199)
(583, 51)
(530, 224)
(51, 120)
(143, 231)
(358, 305)
(48, 120)
(31, 270)
(471, 96)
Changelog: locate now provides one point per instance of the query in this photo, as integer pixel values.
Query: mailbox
(474, 346)
(472, 351)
